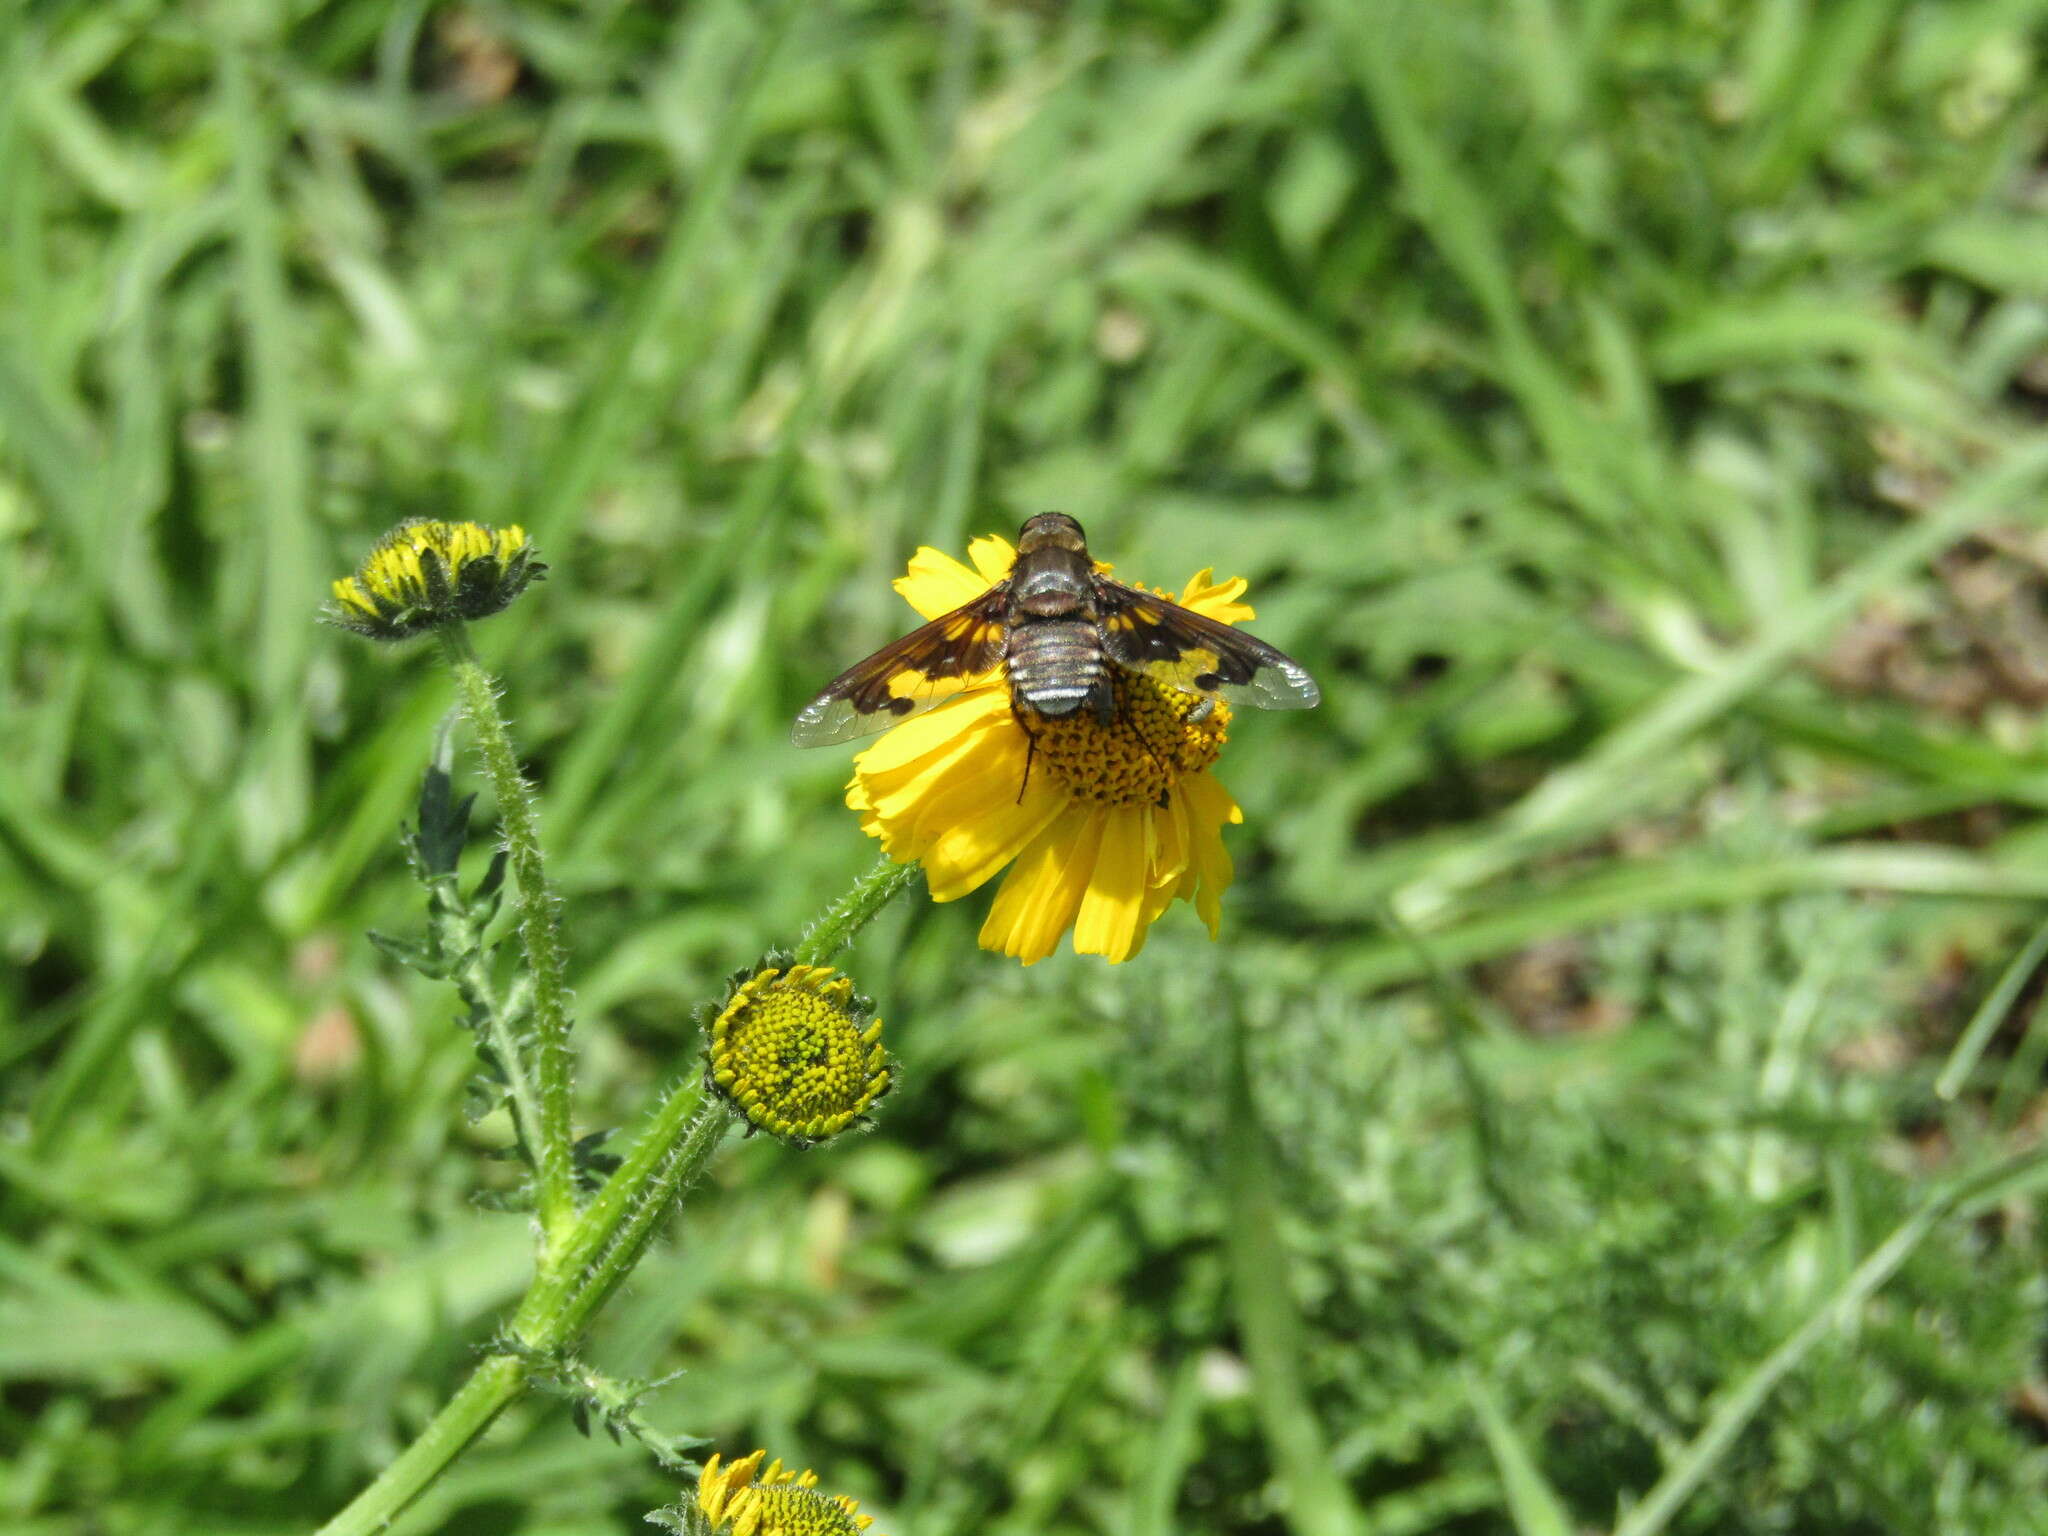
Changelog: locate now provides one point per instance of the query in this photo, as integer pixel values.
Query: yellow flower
(1113, 822)
(424, 573)
(742, 1499)
(794, 1050)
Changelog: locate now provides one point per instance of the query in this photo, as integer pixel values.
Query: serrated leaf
(488, 890)
(505, 1202)
(437, 796)
(443, 826)
(591, 1166)
(442, 837)
(410, 953)
(487, 1053)
(481, 1097)
(409, 840)
(518, 1005)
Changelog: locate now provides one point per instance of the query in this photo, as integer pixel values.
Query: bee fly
(1058, 629)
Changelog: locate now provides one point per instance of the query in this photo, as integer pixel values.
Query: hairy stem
(472, 978)
(557, 1308)
(495, 1383)
(539, 933)
(666, 1184)
(854, 911)
(617, 1205)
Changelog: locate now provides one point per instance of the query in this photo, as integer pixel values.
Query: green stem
(616, 1227)
(615, 1207)
(472, 978)
(667, 1185)
(494, 1384)
(853, 911)
(539, 932)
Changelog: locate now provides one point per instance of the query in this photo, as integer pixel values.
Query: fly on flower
(1056, 627)
(1081, 716)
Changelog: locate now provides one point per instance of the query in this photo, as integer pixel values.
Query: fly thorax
(1049, 593)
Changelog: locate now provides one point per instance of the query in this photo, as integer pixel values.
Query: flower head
(795, 1051)
(742, 1498)
(1101, 825)
(425, 573)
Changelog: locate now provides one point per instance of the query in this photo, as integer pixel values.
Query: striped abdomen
(1055, 664)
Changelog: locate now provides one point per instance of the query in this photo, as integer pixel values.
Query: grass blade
(1962, 1060)
(1532, 1502)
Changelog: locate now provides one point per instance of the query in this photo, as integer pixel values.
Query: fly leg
(1030, 747)
(1103, 700)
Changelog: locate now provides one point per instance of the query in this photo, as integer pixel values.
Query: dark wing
(926, 667)
(1173, 645)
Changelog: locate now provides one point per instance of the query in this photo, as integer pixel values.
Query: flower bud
(742, 1498)
(796, 1052)
(425, 573)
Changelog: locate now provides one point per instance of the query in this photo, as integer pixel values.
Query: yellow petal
(1044, 887)
(1216, 599)
(711, 1489)
(1209, 809)
(967, 854)
(908, 804)
(982, 778)
(992, 556)
(935, 730)
(936, 583)
(1108, 922)
(895, 798)
(1170, 842)
(1157, 899)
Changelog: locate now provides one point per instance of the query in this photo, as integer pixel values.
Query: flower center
(1156, 737)
(791, 1054)
(791, 1511)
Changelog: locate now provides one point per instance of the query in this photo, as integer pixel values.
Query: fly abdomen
(1055, 664)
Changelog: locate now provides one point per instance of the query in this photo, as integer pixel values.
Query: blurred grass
(1630, 411)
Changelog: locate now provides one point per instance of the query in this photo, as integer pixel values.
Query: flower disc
(796, 1053)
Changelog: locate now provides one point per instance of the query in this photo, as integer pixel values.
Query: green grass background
(1631, 411)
